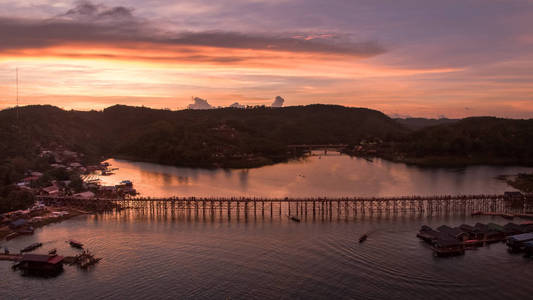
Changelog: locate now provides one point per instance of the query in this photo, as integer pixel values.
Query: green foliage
(245, 137)
(12, 198)
(76, 183)
(522, 182)
(59, 174)
(222, 137)
(480, 139)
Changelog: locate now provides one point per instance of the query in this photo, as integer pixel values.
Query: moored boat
(75, 244)
(507, 216)
(12, 236)
(517, 243)
(448, 247)
(31, 247)
(473, 243)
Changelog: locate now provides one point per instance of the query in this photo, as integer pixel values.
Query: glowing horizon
(457, 59)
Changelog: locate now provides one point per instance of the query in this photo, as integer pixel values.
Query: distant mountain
(419, 123)
(476, 140)
(217, 137)
(45, 125)
(233, 137)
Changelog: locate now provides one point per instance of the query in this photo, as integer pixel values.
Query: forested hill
(476, 140)
(218, 137)
(232, 137)
(420, 123)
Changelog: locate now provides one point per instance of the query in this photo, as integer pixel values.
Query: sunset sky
(452, 58)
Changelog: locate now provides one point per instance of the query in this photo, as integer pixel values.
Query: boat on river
(445, 246)
(75, 244)
(31, 247)
(295, 219)
(363, 238)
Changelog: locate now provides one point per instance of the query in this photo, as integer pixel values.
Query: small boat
(363, 238)
(295, 219)
(75, 244)
(12, 236)
(31, 247)
(28, 230)
(472, 244)
(52, 252)
(126, 183)
(508, 216)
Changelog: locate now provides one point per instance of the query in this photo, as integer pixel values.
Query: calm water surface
(178, 254)
(325, 176)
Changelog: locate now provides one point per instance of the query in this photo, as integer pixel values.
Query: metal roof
(35, 257)
(529, 244)
(18, 223)
(42, 258)
(524, 237)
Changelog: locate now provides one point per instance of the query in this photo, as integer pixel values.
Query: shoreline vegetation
(234, 138)
(522, 182)
(259, 136)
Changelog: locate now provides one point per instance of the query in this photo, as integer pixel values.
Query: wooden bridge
(305, 206)
(323, 147)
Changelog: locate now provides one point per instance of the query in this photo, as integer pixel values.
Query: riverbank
(456, 161)
(245, 162)
(29, 222)
(522, 181)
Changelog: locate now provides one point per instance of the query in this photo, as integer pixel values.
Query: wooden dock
(10, 257)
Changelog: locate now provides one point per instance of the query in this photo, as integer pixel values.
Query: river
(315, 176)
(176, 254)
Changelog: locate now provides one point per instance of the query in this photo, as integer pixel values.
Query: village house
(75, 165)
(52, 190)
(28, 180)
(84, 195)
(40, 262)
(36, 174)
(19, 223)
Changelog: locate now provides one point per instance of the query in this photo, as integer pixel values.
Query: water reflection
(314, 176)
(149, 255)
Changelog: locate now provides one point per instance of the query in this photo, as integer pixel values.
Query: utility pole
(17, 108)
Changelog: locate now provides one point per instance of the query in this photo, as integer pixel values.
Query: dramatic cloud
(237, 105)
(85, 10)
(91, 24)
(278, 102)
(200, 103)
(409, 57)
